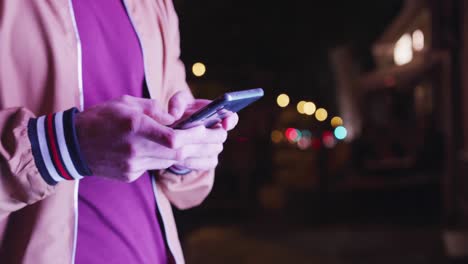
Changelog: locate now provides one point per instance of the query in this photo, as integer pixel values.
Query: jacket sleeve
(188, 190)
(35, 154)
(20, 181)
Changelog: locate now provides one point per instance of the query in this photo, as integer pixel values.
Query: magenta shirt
(118, 221)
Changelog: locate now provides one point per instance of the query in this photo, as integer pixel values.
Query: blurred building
(412, 110)
(406, 130)
(395, 110)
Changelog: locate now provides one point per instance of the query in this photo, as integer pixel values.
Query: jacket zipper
(153, 179)
(80, 88)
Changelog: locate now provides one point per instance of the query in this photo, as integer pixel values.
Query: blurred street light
(276, 136)
(403, 52)
(283, 100)
(309, 108)
(293, 135)
(198, 69)
(336, 121)
(340, 132)
(418, 40)
(321, 114)
(304, 143)
(300, 107)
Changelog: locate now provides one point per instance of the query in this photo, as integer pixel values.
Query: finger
(199, 103)
(162, 135)
(200, 163)
(195, 106)
(175, 139)
(141, 165)
(156, 164)
(230, 122)
(151, 108)
(148, 148)
(199, 151)
(179, 103)
(198, 135)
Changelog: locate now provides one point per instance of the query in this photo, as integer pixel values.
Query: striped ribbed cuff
(179, 170)
(55, 147)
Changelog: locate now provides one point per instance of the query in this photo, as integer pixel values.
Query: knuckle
(215, 161)
(224, 135)
(130, 123)
(181, 153)
(129, 177)
(167, 163)
(128, 166)
(130, 151)
(126, 123)
(219, 148)
(153, 107)
(125, 167)
(189, 163)
(172, 139)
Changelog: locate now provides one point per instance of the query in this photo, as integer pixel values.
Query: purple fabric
(117, 221)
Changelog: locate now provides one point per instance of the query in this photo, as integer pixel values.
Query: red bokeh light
(291, 134)
(328, 139)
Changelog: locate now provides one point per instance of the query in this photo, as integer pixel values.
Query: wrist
(55, 147)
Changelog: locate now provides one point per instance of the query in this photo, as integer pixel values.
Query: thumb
(178, 103)
(151, 108)
(161, 116)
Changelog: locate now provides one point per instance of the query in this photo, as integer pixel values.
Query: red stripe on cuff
(54, 148)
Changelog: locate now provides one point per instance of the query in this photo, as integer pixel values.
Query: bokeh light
(306, 133)
(418, 40)
(198, 69)
(321, 114)
(328, 139)
(276, 136)
(298, 136)
(336, 121)
(403, 51)
(293, 135)
(300, 107)
(309, 108)
(283, 100)
(304, 143)
(340, 132)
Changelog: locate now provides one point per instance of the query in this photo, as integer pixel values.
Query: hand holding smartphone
(214, 113)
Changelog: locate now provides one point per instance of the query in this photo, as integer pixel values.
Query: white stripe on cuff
(41, 136)
(63, 148)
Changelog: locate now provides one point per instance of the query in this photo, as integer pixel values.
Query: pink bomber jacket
(40, 73)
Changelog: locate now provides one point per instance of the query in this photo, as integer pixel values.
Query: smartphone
(221, 107)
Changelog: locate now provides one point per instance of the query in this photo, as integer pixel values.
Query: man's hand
(200, 155)
(123, 138)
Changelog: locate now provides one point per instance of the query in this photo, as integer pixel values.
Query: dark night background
(288, 40)
(391, 194)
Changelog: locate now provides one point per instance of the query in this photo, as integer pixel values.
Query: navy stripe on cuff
(55, 147)
(32, 134)
(71, 138)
